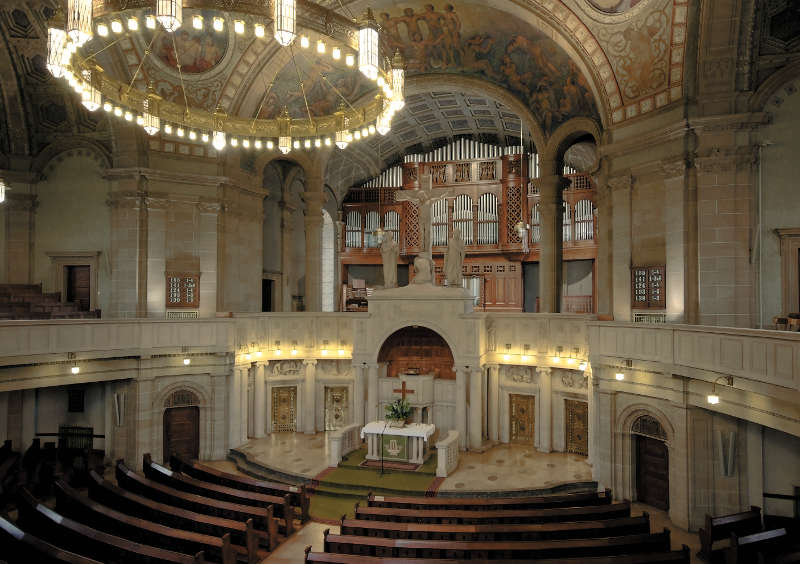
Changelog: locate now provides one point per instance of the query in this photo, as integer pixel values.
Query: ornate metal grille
(181, 398)
(649, 426)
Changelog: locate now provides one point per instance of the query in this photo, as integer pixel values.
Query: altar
(398, 444)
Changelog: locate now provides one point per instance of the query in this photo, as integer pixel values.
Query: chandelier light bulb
(307, 144)
(342, 139)
(192, 135)
(197, 22)
(79, 21)
(357, 135)
(321, 47)
(168, 129)
(234, 142)
(187, 361)
(102, 30)
(271, 145)
(238, 27)
(350, 60)
(218, 23)
(133, 24)
(336, 53)
(259, 31)
(317, 143)
(150, 21)
(713, 399)
(204, 138)
(108, 107)
(219, 140)
(246, 143)
(304, 42)
(296, 144)
(284, 21)
(169, 13)
(118, 111)
(368, 46)
(140, 121)
(327, 141)
(258, 144)
(582, 366)
(128, 116)
(116, 26)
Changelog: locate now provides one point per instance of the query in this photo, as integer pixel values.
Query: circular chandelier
(353, 43)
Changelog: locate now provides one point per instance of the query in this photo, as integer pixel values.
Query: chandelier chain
(180, 74)
(302, 86)
(147, 52)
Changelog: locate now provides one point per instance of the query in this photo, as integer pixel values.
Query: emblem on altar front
(393, 448)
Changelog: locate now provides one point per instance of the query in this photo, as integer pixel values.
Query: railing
(577, 304)
(343, 442)
(447, 455)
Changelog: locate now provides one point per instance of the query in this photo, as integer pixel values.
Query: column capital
(622, 182)
(310, 361)
(494, 365)
(262, 363)
(550, 187)
(544, 370)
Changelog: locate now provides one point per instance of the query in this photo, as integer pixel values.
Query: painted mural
(196, 51)
(614, 6)
(321, 79)
(494, 46)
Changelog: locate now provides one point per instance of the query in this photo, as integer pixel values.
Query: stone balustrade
(343, 442)
(447, 452)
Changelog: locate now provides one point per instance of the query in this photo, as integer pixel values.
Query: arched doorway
(417, 350)
(181, 425)
(652, 462)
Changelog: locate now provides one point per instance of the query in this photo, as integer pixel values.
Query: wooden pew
(298, 496)
(5, 450)
(484, 503)
(243, 535)
(673, 557)
(76, 537)
(718, 528)
(787, 558)
(262, 518)
(748, 548)
(8, 476)
(19, 547)
(553, 515)
(530, 550)
(83, 510)
(282, 508)
(497, 532)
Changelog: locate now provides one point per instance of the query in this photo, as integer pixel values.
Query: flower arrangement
(398, 411)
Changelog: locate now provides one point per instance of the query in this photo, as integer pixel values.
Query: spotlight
(187, 361)
(619, 376)
(75, 369)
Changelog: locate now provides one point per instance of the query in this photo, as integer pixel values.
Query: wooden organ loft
(492, 196)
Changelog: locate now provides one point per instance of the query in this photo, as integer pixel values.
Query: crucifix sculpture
(424, 196)
(403, 390)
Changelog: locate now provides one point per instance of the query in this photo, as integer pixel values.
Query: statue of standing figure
(454, 259)
(389, 254)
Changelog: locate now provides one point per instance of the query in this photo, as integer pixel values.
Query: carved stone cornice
(162, 175)
(730, 122)
(730, 159)
(673, 169)
(646, 141)
(623, 182)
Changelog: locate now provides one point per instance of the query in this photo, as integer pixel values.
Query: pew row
(298, 495)
(497, 532)
(84, 540)
(484, 503)
(554, 515)
(281, 506)
(471, 550)
(262, 518)
(719, 528)
(673, 557)
(747, 549)
(242, 534)
(19, 547)
(71, 504)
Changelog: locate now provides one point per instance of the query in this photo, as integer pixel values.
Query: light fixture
(336, 53)
(204, 137)
(341, 348)
(304, 42)
(557, 357)
(192, 135)
(259, 30)
(317, 143)
(507, 355)
(583, 365)
(350, 60)
(102, 30)
(294, 348)
(169, 13)
(180, 132)
(187, 361)
(284, 125)
(324, 350)
(284, 16)
(168, 128)
(278, 351)
(234, 142)
(150, 121)
(79, 21)
(116, 26)
(307, 144)
(108, 107)
(259, 354)
(321, 47)
(713, 397)
(128, 116)
(368, 46)
(197, 22)
(247, 356)
(133, 24)
(525, 355)
(296, 143)
(57, 44)
(270, 145)
(357, 135)
(150, 21)
(258, 144)
(327, 142)
(619, 376)
(75, 369)
(246, 143)
(218, 23)
(238, 27)
(90, 97)
(398, 82)
(342, 136)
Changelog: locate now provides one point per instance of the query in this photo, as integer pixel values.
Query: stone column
(234, 399)
(309, 397)
(605, 231)
(461, 405)
(475, 408)
(592, 393)
(621, 246)
(314, 198)
(337, 276)
(244, 403)
(287, 234)
(493, 411)
(544, 424)
(550, 254)
(358, 394)
(372, 393)
(260, 407)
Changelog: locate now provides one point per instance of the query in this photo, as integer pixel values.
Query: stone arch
(458, 356)
(161, 403)
(563, 137)
(67, 147)
(768, 90)
(434, 341)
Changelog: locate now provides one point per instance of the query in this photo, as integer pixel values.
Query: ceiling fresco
(197, 51)
(614, 6)
(486, 43)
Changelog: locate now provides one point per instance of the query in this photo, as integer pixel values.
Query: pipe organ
(494, 204)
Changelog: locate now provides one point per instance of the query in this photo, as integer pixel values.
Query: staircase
(27, 301)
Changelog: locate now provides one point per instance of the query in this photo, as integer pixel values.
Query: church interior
(364, 281)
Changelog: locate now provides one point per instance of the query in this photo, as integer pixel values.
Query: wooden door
(652, 472)
(78, 286)
(336, 412)
(522, 414)
(182, 432)
(284, 408)
(576, 415)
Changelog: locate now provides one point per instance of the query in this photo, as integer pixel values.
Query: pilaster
(372, 392)
(309, 397)
(260, 403)
(475, 407)
(493, 391)
(545, 419)
(462, 381)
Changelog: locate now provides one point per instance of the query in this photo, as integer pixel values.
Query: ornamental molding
(622, 182)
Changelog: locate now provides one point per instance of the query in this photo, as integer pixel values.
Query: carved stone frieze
(520, 374)
(573, 379)
(288, 368)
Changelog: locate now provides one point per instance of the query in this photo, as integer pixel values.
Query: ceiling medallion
(72, 50)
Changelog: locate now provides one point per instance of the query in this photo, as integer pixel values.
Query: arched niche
(417, 349)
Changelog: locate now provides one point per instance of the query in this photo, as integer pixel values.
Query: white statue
(423, 270)
(454, 259)
(424, 197)
(389, 253)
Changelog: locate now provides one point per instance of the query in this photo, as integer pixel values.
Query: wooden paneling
(417, 350)
(522, 414)
(652, 472)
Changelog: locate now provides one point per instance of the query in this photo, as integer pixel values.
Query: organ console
(492, 195)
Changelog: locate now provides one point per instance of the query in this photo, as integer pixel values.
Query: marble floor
(293, 453)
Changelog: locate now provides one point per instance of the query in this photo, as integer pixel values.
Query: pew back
(721, 527)
(483, 503)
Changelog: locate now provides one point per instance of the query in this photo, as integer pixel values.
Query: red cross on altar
(403, 390)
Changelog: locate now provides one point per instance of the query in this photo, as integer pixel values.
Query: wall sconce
(619, 376)
(507, 356)
(278, 348)
(557, 358)
(294, 348)
(341, 348)
(187, 361)
(525, 356)
(324, 348)
(247, 356)
(713, 397)
(574, 356)
(583, 365)
(75, 368)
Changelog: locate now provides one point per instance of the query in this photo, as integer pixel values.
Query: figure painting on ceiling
(196, 51)
(513, 55)
(614, 6)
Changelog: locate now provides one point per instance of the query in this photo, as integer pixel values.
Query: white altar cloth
(424, 430)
